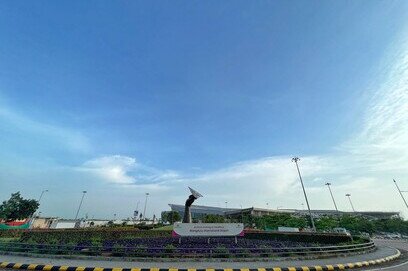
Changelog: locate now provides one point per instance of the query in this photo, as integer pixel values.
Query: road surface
(386, 248)
(398, 265)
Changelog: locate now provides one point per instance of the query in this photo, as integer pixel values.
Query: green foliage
(96, 234)
(17, 208)
(118, 250)
(169, 249)
(356, 224)
(213, 219)
(221, 252)
(392, 225)
(279, 220)
(307, 237)
(12, 233)
(326, 223)
(170, 217)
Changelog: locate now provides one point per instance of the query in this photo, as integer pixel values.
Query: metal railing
(170, 251)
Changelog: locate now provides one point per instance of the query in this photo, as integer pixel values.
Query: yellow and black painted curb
(41, 267)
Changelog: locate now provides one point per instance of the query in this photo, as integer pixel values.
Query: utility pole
(335, 205)
(399, 190)
(296, 159)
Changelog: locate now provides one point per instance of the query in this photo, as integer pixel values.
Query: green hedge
(308, 237)
(77, 235)
(11, 233)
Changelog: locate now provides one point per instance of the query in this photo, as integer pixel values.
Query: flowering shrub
(77, 235)
(143, 243)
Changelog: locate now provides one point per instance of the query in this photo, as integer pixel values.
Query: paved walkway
(381, 252)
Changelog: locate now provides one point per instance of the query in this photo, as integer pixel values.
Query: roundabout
(151, 251)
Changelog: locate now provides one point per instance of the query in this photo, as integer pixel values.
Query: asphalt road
(398, 265)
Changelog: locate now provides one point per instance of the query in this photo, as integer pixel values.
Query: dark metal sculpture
(187, 213)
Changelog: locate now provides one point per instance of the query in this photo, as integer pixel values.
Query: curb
(41, 267)
(180, 260)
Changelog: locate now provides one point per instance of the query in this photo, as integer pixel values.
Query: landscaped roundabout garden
(129, 242)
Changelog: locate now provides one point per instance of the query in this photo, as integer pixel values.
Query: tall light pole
(334, 202)
(226, 204)
(296, 159)
(144, 210)
(351, 203)
(80, 204)
(242, 214)
(42, 193)
(399, 190)
(31, 219)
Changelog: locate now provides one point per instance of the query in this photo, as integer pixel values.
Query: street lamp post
(351, 203)
(42, 193)
(144, 210)
(80, 204)
(226, 204)
(242, 214)
(296, 159)
(34, 214)
(334, 202)
(399, 190)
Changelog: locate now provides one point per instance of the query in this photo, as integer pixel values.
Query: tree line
(355, 224)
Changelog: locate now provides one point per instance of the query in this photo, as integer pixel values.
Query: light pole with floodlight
(144, 210)
(80, 204)
(351, 203)
(34, 214)
(296, 159)
(331, 194)
(400, 192)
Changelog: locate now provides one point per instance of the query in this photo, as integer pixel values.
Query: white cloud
(363, 166)
(115, 168)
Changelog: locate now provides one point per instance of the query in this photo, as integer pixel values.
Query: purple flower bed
(192, 246)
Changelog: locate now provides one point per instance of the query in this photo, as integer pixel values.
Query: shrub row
(11, 233)
(100, 234)
(78, 235)
(307, 237)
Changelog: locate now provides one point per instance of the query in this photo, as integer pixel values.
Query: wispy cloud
(69, 138)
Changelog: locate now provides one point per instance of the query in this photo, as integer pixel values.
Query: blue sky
(126, 97)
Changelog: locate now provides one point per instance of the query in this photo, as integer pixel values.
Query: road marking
(389, 267)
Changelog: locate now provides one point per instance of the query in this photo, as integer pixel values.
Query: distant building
(199, 211)
(43, 222)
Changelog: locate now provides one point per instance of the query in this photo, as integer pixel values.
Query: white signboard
(288, 229)
(208, 229)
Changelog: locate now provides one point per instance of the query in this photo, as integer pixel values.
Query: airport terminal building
(199, 211)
